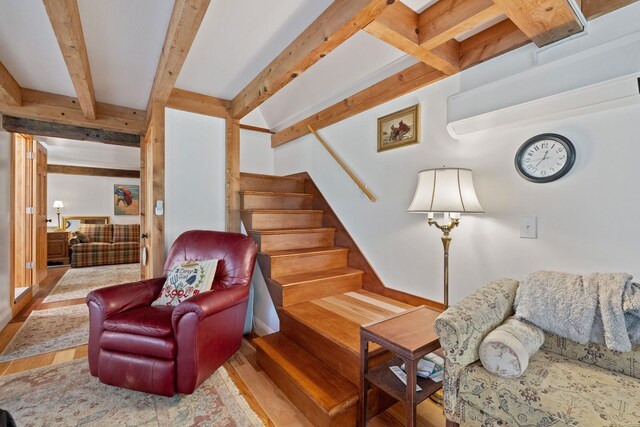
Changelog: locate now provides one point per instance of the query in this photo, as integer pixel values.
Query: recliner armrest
(209, 303)
(113, 300)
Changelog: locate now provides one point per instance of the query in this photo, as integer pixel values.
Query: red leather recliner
(168, 350)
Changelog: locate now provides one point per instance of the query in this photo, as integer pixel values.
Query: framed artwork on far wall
(399, 129)
(126, 199)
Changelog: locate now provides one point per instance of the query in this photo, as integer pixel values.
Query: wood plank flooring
(261, 393)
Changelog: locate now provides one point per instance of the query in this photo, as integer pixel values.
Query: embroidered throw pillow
(186, 280)
(506, 350)
(83, 238)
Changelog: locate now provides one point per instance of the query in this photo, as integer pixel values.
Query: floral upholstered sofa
(565, 384)
(105, 244)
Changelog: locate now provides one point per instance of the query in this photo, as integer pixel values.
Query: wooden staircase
(323, 289)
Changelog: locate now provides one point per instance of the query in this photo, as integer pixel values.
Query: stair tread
(276, 193)
(292, 230)
(283, 211)
(295, 279)
(278, 178)
(339, 317)
(328, 389)
(306, 251)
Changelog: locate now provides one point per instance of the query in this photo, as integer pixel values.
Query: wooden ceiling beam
(185, 21)
(493, 41)
(592, 9)
(198, 103)
(447, 19)
(58, 130)
(398, 26)
(49, 107)
(89, 171)
(341, 20)
(408, 80)
(543, 21)
(10, 91)
(65, 20)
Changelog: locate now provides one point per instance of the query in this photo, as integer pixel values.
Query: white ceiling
(93, 154)
(237, 40)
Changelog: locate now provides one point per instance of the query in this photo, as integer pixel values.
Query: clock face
(545, 158)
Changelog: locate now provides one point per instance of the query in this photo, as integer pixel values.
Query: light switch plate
(528, 227)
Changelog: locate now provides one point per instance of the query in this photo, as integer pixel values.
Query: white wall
(5, 211)
(86, 196)
(256, 155)
(194, 173)
(585, 220)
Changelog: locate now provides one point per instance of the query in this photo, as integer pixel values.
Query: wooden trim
(10, 91)
(66, 110)
(448, 19)
(65, 20)
(493, 41)
(40, 128)
(593, 9)
(155, 176)
(370, 280)
(408, 80)
(341, 20)
(83, 170)
(256, 129)
(186, 17)
(232, 176)
(198, 103)
(344, 166)
(544, 22)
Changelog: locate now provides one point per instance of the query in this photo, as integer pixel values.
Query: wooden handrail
(344, 166)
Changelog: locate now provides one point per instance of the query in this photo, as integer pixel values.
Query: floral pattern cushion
(627, 363)
(507, 349)
(555, 390)
(186, 280)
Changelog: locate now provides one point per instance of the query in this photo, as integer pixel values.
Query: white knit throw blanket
(601, 307)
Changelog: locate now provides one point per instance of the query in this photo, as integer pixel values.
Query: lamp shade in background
(58, 204)
(445, 190)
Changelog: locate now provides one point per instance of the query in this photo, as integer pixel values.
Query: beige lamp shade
(58, 204)
(445, 190)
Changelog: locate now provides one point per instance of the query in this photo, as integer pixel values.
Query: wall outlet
(529, 227)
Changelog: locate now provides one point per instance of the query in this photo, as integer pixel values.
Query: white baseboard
(5, 317)
(260, 328)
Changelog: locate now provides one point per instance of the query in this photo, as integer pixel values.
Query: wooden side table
(410, 336)
(58, 246)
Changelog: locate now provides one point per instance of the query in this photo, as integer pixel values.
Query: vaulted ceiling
(103, 54)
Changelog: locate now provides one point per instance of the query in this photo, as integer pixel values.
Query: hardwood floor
(261, 393)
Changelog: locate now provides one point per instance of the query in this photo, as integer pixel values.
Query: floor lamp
(58, 204)
(447, 191)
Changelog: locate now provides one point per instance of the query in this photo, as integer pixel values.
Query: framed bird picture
(126, 199)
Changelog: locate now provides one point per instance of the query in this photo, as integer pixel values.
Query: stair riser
(256, 201)
(287, 241)
(297, 395)
(345, 362)
(275, 184)
(308, 291)
(274, 221)
(295, 264)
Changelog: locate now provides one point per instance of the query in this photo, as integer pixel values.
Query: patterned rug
(49, 330)
(67, 395)
(78, 282)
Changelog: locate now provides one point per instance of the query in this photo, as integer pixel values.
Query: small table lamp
(448, 191)
(58, 204)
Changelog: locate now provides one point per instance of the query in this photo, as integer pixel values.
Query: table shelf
(382, 376)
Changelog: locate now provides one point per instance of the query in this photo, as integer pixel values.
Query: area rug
(67, 395)
(49, 330)
(78, 282)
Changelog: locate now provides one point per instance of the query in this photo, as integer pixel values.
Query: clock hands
(543, 158)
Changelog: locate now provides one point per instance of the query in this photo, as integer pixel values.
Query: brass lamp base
(446, 241)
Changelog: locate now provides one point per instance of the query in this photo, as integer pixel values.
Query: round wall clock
(545, 158)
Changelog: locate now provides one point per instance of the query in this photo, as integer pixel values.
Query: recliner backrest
(236, 254)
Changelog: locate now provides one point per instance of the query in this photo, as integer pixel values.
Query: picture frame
(126, 199)
(399, 129)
